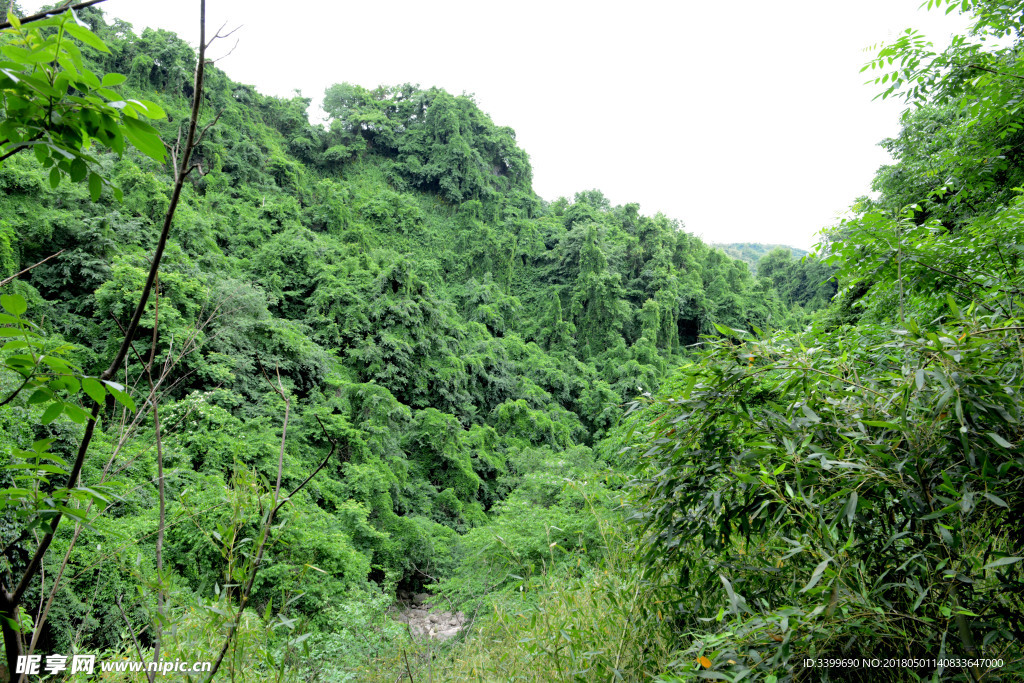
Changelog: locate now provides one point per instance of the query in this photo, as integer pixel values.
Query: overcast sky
(746, 120)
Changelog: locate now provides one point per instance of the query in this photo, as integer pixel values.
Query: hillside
(752, 252)
(370, 364)
(391, 274)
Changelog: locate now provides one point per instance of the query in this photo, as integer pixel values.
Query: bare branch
(22, 272)
(20, 148)
(334, 446)
(211, 124)
(138, 649)
(220, 36)
(226, 54)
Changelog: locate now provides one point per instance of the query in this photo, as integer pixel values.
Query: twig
(131, 630)
(20, 146)
(946, 273)
(997, 329)
(7, 280)
(334, 446)
(979, 67)
(407, 667)
(162, 524)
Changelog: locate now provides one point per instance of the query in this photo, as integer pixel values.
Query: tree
(597, 299)
(962, 138)
(48, 65)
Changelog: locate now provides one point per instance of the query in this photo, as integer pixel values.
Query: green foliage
(827, 485)
(465, 345)
(802, 286)
(752, 252)
(42, 67)
(957, 155)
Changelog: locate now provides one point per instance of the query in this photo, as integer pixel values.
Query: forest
(262, 380)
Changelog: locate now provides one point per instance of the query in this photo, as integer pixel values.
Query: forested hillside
(752, 252)
(616, 450)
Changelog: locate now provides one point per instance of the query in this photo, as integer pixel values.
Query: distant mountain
(751, 252)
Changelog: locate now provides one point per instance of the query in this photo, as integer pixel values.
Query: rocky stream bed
(427, 619)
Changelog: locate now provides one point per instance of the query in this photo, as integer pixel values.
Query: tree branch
(267, 526)
(10, 279)
(14, 151)
(979, 67)
(334, 446)
(19, 146)
(51, 12)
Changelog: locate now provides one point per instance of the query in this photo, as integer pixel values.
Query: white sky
(747, 120)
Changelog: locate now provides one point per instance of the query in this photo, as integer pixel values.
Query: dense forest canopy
(469, 389)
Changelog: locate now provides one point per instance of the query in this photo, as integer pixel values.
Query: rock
(435, 624)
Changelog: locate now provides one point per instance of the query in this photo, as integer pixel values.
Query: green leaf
(86, 36)
(78, 170)
(94, 389)
(851, 507)
(10, 320)
(13, 304)
(1000, 440)
(815, 575)
(75, 413)
(145, 138)
(42, 445)
(121, 397)
(38, 467)
(54, 177)
(810, 414)
(726, 331)
(40, 395)
(996, 499)
(1002, 562)
(95, 186)
(880, 423)
(52, 412)
(113, 80)
(149, 109)
(919, 379)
